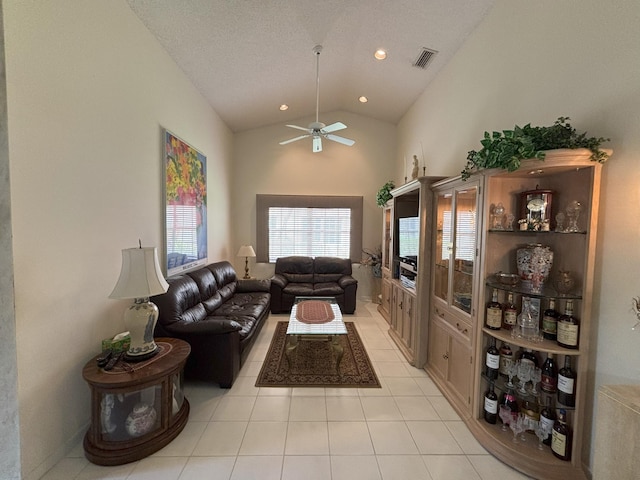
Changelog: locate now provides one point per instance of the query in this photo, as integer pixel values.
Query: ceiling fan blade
(342, 140)
(298, 128)
(334, 127)
(317, 144)
(284, 142)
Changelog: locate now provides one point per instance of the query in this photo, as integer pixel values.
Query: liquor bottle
(491, 405)
(494, 312)
(509, 313)
(492, 360)
(567, 384)
(506, 359)
(531, 411)
(527, 326)
(548, 418)
(568, 327)
(530, 357)
(550, 321)
(509, 399)
(549, 382)
(561, 437)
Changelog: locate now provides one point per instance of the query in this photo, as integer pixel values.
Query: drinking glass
(505, 416)
(512, 371)
(536, 377)
(517, 426)
(524, 375)
(542, 433)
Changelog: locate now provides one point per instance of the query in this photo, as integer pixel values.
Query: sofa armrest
(279, 281)
(249, 286)
(347, 280)
(208, 326)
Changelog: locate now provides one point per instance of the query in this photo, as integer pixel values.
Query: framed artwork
(185, 171)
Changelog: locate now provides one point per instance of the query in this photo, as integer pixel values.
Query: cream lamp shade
(246, 251)
(140, 278)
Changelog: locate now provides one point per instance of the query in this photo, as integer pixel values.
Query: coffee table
(315, 319)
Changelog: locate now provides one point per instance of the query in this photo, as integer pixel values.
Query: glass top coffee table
(315, 319)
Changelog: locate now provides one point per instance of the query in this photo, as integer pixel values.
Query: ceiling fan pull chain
(317, 49)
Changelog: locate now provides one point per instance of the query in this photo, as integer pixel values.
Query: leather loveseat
(218, 314)
(298, 276)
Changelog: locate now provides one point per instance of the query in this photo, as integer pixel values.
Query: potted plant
(508, 148)
(384, 194)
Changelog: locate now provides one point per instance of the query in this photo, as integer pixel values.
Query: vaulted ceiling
(247, 57)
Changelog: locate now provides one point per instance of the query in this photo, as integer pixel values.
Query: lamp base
(140, 319)
(133, 358)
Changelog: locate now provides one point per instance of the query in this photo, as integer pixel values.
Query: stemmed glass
(517, 426)
(542, 432)
(524, 375)
(505, 416)
(512, 371)
(573, 212)
(536, 376)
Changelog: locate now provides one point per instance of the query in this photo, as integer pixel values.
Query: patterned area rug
(313, 363)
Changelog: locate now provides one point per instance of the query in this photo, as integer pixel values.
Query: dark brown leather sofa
(312, 277)
(218, 314)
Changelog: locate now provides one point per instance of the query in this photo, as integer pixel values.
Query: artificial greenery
(506, 149)
(384, 195)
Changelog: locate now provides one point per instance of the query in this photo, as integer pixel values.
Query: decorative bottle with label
(491, 405)
(561, 437)
(494, 312)
(549, 381)
(509, 313)
(568, 328)
(509, 399)
(548, 418)
(527, 326)
(492, 360)
(506, 359)
(567, 384)
(550, 321)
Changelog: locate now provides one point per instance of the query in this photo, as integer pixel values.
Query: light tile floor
(405, 430)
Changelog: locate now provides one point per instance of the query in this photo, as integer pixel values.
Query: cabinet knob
(445, 356)
(460, 329)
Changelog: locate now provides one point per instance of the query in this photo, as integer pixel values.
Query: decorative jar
(534, 263)
(141, 420)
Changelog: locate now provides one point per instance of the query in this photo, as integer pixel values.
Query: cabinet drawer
(462, 327)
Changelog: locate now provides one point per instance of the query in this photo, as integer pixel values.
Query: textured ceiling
(249, 56)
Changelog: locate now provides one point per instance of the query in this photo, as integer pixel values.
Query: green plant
(384, 195)
(508, 148)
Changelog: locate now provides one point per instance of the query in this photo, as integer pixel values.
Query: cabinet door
(408, 318)
(444, 245)
(386, 295)
(396, 307)
(438, 354)
(464, 250)
(459, 370)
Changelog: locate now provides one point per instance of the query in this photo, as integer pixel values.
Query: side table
(136, 408)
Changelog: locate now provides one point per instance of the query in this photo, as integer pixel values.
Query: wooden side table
(136, 408)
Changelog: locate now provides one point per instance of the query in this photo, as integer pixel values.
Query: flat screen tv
(408, 239)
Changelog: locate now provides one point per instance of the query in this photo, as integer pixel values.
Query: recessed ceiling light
(284, 107)
(380, 54)
(363, 99)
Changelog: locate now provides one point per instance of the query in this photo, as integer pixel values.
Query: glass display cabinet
(136, 408)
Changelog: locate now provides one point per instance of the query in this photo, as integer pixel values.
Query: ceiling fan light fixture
(380, 54)
(363, 99)
(284, 107)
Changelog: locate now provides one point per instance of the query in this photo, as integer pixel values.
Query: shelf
(547, 291)
(536, 232)
(500, 384)
(547, 346)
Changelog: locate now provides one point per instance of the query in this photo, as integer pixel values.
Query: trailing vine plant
(384, 195)
(508, 148)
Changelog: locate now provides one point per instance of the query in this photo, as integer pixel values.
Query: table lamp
(246, 251)
(140, 278)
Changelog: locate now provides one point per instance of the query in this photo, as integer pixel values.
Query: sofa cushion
(331, 269)
(244, 308)
(295, 269)
(225, 277)
(330, 289)
(183, 305)
(208, 286)
(299, 289)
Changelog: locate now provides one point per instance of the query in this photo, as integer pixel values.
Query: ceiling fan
(317, 130)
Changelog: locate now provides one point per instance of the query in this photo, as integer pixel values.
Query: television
(408, 239)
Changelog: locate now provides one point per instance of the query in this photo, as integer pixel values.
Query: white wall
(263, 166)
(534, 62)
(89, 89)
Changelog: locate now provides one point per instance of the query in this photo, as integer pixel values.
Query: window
(308, 225)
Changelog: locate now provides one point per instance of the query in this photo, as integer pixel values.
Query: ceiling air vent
(424, 58)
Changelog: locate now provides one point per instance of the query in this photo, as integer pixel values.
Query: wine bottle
(491, 405)
(567, 384)
(509, 399)
(561, 437)
(494, 312)
(568, 327)
(506, 359)
(530, 357)
(549, 382)
(550, 321)
(509, 313)
(547, 418)
(531, 411)
(492, 360)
